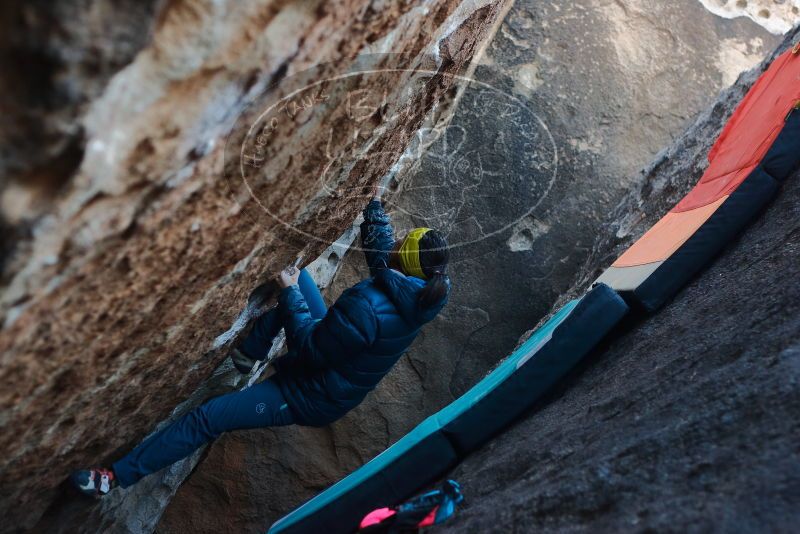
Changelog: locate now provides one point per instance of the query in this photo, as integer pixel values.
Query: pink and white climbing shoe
(94, 482)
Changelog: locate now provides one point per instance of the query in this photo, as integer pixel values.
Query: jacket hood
(402, 291)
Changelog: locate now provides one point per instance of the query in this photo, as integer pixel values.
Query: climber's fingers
(377, 191)
(289, 276)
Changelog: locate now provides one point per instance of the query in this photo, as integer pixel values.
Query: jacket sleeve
(377, 236)
(295, 315)
(349, 327)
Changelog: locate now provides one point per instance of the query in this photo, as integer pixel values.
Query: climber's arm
(377, 236)
(295, 315)
(348, 328)
(294, 312)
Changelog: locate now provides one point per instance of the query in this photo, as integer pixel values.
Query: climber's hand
(289, 276)
(377, 192)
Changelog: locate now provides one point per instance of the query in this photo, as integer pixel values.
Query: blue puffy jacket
(334, 362)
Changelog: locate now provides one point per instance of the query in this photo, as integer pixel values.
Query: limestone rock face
(602, 86)
(777, 16)
(687, 420)
(189, 150)
(55, 58)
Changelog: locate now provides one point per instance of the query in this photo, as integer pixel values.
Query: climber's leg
(261, 405)
(257, 344)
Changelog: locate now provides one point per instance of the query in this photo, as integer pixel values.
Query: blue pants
(261, 405)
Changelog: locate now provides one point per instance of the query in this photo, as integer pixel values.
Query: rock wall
(569, 101)
(776, 16)
(685, 420)
(168, 197)
(55, 58)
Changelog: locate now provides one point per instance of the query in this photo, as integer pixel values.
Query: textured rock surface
(608, 84)
(117, 285)
(686, 421)
(139, 508)
(777, 16)
(55, 58)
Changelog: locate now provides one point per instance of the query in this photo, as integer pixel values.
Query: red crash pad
(749, 132)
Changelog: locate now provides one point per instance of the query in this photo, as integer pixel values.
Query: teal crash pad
(438, 443)
(535, 367)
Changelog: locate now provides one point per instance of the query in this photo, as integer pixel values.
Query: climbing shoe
(94, 482)
(243, 363)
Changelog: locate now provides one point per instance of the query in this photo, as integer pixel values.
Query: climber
(335, 356)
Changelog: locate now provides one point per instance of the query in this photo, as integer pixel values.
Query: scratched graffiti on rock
(447, 166)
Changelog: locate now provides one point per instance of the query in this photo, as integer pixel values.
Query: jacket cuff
(374, 213)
